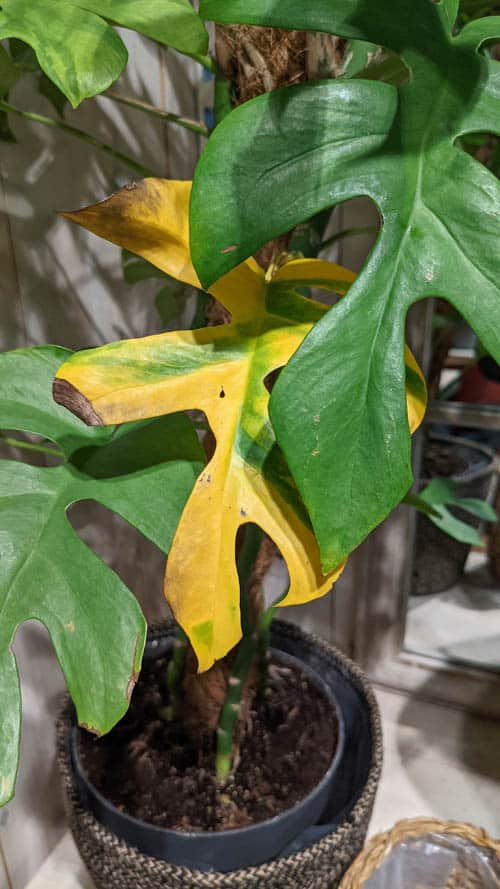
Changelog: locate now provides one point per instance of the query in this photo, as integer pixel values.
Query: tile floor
(461, 624)
(438, 761)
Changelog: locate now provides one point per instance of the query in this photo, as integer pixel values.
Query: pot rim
(268, 823)
(468, 475)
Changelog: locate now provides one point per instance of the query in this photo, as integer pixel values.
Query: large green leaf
(77, 48)
(338, 408)
(144, 472)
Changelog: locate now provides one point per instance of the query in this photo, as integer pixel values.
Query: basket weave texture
(381, 845)
(113, 864)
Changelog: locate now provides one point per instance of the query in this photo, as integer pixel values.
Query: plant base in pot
(318, 856)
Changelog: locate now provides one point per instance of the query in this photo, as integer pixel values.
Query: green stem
(264, 645)
(348, 233)
(222, 98)
(79, 134)
(421, 505)
(247, 556)
(175, 672)
(245, 656)
(253, 644)
(27, 446)
(232, 706)
(167, 116)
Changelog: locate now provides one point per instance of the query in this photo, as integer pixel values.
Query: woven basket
(113, 864)
(466, 875)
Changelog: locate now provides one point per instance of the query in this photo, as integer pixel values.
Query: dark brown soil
(442, 461)
(150, 768)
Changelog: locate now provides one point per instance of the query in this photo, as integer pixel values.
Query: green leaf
(442, 491)
(26, 377)
(309, 147)
(172, 22)
(80, 52)
(478, 508)
(375, 21)
(437, 496)
(145, 473)
(455, 528)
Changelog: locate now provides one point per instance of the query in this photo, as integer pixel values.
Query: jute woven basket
(113, 864)
(464, 876)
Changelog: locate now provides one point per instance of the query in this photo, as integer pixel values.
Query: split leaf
(221, 371)
(279, 159)
(144, 472)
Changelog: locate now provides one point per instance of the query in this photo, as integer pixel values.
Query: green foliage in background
(435, 501)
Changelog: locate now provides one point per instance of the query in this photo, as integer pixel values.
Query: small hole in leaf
(222, 394)
(269, 576)
(483, 147)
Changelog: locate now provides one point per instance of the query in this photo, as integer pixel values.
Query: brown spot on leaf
(135, 673)
(91, 729)
(72, 399)
(230, 249)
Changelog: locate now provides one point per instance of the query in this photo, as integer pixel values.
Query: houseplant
(341, 422)
(457, 479)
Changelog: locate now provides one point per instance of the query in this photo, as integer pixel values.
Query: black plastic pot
(316, 856)
(439, 560)
(230, 849)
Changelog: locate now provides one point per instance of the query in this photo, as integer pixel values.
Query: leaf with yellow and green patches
(221, 371)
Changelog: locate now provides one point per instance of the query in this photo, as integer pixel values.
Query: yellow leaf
(221, 371)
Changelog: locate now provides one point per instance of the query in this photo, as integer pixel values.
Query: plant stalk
(144, 172)
(27, 446)
(175, 672)
(247, 651)
(166, 116)
(230, 712)
(348, 233)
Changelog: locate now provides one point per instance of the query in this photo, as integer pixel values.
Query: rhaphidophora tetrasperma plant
(324, 458)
